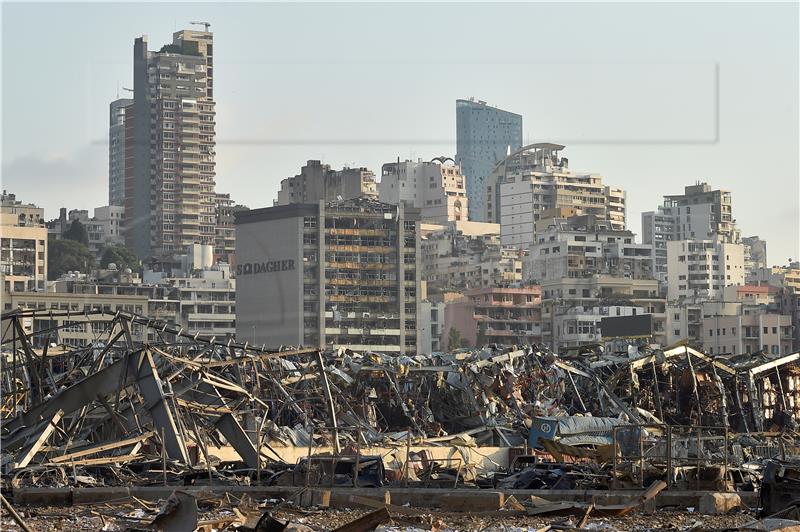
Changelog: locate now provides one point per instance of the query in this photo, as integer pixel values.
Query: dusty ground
(112, 517)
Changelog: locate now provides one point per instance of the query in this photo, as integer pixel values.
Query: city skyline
(650, 156)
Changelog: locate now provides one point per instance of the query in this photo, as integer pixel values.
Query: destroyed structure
(189, 409)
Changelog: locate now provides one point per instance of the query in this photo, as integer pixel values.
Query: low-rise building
(495, 315)
(78, 328)
(103, 229)
(435, 187)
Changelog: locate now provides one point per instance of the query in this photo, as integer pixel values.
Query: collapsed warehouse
(189, 410)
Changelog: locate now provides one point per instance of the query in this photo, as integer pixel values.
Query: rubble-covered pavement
(536, 428)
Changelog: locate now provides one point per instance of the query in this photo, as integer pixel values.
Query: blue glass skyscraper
(483, 137)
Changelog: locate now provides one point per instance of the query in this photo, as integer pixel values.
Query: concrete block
(719, 503)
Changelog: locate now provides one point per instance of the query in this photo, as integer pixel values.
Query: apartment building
(771, 334)
(466, 254)
(484, 135)
(118, 149)
(496, 315)
(581, 246)
(435, 187)
(23, 245)
(319, 182)
(560, 297)
(535, 179)
(703, 267)
(700, 213)
(170, 203)
(334, 274)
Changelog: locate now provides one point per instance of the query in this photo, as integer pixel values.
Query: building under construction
(336, 274)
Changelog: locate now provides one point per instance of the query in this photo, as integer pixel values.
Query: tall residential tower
(172, 197)
(484, 135)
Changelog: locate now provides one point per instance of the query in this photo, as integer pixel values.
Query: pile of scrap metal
(122, 412)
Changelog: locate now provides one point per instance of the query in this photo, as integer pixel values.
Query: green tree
(77, 232)
(454, 340)
(68, 255)
(122, 256)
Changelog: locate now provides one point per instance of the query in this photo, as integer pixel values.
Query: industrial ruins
(203, 433)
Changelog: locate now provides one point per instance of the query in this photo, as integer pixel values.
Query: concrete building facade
(535, 179)
(703, 268)
(484, 135)
(462, 255)
(434, 187)
(23, 246)
(495, 315)
(560, 298)
(319, 182)
(172, 199)
(335, 274)
(755, 254)
(581, 246)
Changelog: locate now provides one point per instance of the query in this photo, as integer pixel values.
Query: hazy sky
(631, 89)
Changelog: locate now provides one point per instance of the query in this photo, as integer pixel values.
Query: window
(711, 332)
(774, 330)
(677, 332)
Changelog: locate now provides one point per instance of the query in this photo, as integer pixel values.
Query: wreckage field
(188, 432)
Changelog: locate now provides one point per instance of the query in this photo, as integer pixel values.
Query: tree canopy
(77, 232)
(122, 256)
(68, 255)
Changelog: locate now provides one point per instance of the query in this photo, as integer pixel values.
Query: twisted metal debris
(124, 412)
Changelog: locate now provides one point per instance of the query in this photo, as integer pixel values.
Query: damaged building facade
(338, 274)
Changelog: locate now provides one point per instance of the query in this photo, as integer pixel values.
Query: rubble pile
(117, 413)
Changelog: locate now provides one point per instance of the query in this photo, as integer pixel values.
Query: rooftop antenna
(206, 24)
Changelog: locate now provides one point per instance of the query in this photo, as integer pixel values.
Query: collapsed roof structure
(124, 404)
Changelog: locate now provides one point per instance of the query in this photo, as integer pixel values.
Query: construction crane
(206, 24)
